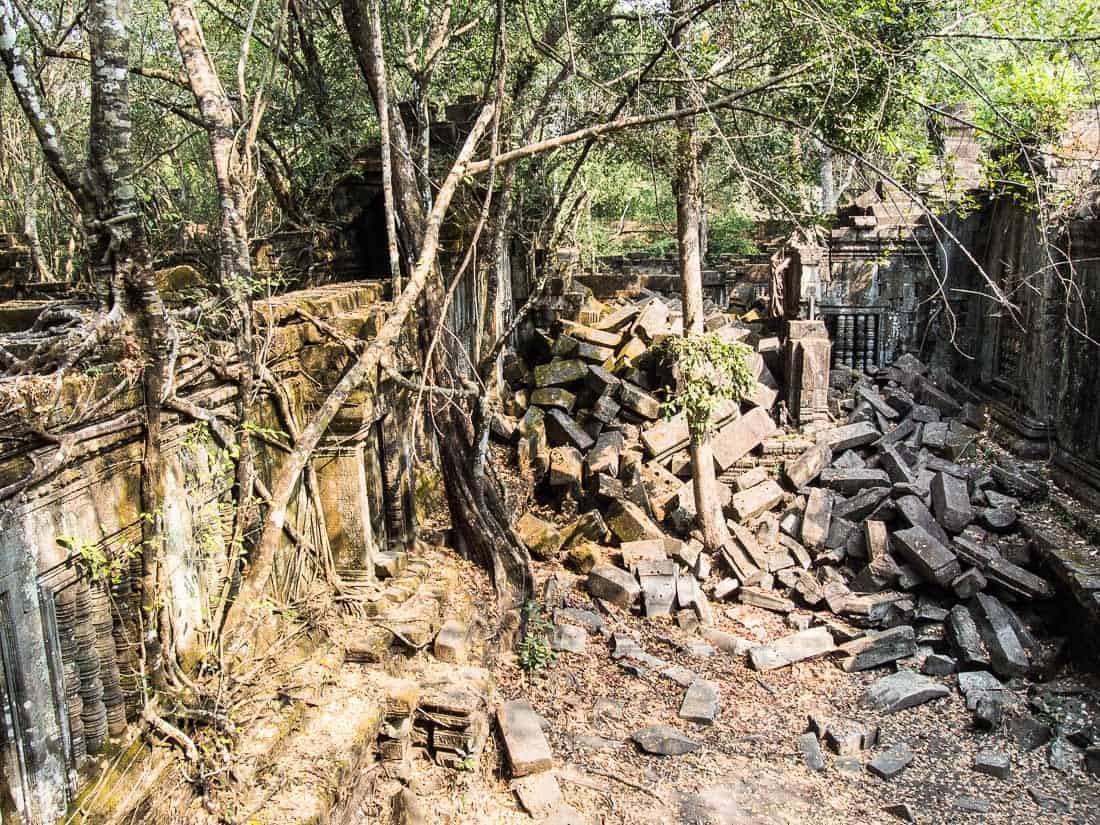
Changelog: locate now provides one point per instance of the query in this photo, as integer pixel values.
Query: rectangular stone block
(851, 482)
(951, 503)
(927, 555)
(807, 644)
(809, 465)
(560, 372)
(526, 745)
(849, 436)
(734, 441)
(561, 429)
(752, 502)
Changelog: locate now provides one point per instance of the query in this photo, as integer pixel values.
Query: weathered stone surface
(600, 381)
(539, 794)
(541, 537)
(810, 747)
(563, 430)
(876, 539)
(904, 689)
(971, 804)
(967, 584)
(965, 639)
(757, 475)
(599, 337)
(878, 649)
(914, 513)
(901, 811)
(816, 518)
(809, 465)
(734, 441)
(560, 372)
(452, 642)
(851, 482)
(993, 763)
(951, 503)
(663, 740)
(566, 467)
(997, 519)
(1029, 733)
(936, 664)
(1019, 483)
(569, 638)
(860, 506)
(767, 599)
(629, 522)
(524, 742)
(752, 502)
(806, 644)
(896, 467)
(1016, 580)
(658, 591)
(701, 702)
(635, 399)
(848, 436)
(604, 455)
(613, 585)
(1007, 655)
(554, 397)
(727, 642)
(652, 320)
(892, 762)
(928, 556)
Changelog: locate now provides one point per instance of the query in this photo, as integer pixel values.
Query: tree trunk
(688, 234)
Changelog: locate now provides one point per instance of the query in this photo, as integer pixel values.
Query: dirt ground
(748, 770)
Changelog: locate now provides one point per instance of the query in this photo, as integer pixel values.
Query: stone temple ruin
(851, 505)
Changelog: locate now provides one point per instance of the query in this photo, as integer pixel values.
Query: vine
(712, 371)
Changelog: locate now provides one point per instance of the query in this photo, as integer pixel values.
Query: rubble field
(875, 641)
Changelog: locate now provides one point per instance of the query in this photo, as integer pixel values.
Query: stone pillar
(806, 362)
(342, 482)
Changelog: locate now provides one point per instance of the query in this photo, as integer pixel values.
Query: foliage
(712, 371)
(97, 563)
(728, 233)
(534, 651)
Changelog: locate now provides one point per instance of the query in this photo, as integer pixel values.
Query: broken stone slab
(561, 429)
(623, 646)
(569, 638)
(604, 455)
(663, 740)
(652, 321)
(452, 642)
(560, 372)
(966, 640)
(735, 440)
(904, 689)
(860, 506)
(892, 762)
(951, 503)
(876, 540)
(997, 519)
(524, 742)
(554, 397)
(541, 537)
(637, 400)
(686, 590)
(599, 337)
(658, 593)
(587, 619)
(896, 467)
(727, 642)
(928, 556)
(871, 396)
(766, 599)
(850, 435)
(816, 518)
(973, 553)
(936, 664)
(1006, 653)
(808, 466)
(851, 482)
(806, 644)
(613, 585)
(878, 649)
(914, 512)
(993, 763)
(636, 552)
(629, 522)
(1019, 483)
(701, 702)
(757, 475)
(566, 467)
(539, 794)
(756, 500)
(966, 585)
(971, 805)
(1016, 580)
(703, 609)
(810, 747)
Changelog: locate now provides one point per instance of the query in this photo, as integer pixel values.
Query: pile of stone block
(447, 724)
(588, 426)
(876, 535)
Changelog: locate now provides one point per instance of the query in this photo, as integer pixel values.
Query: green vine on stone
(712, 370)
(98, 564)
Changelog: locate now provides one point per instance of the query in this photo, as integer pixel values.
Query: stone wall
(69, 630)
